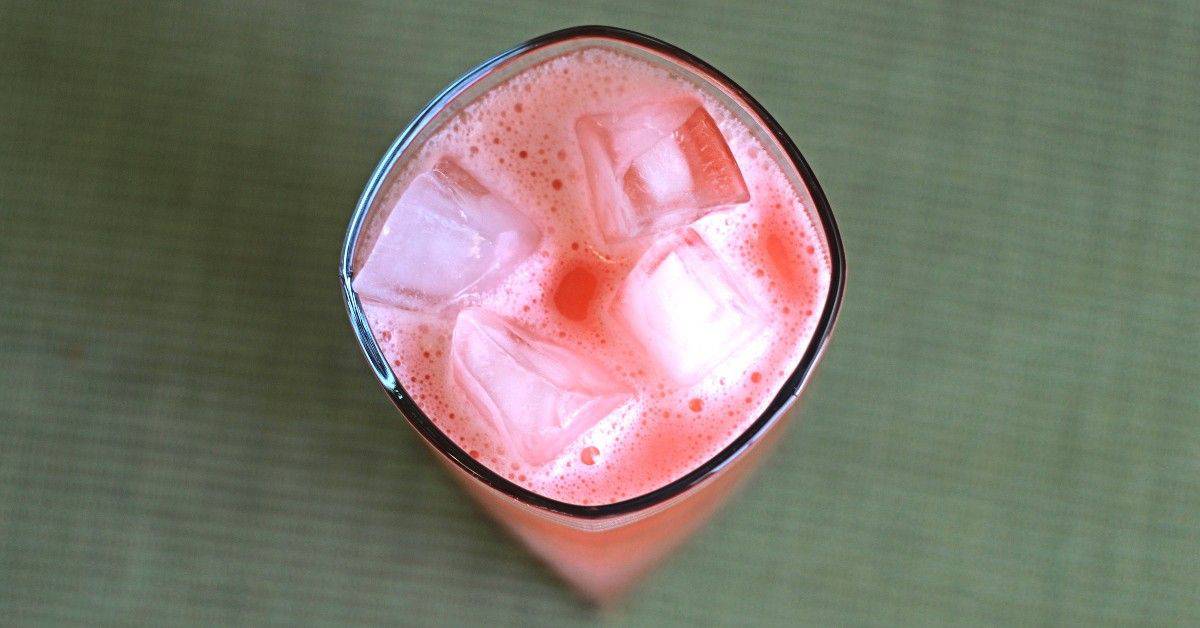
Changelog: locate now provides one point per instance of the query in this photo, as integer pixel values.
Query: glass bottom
(602, 565)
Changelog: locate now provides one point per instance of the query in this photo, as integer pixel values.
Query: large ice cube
(655, 167)
(686, 307)
(447, 236)
(538, 395)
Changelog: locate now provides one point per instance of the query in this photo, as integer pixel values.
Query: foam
(519, 140)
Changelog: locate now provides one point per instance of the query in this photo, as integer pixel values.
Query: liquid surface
(520, 141)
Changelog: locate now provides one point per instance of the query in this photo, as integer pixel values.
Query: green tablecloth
(1006, 429)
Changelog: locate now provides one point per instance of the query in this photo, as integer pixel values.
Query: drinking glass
(600, 549)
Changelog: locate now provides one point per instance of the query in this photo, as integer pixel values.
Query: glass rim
(780, 403)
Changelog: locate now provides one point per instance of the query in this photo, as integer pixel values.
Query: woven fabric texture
(1006, 429)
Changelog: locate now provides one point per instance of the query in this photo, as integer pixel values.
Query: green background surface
(1006, 429)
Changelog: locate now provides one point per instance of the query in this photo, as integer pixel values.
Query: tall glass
(600, 549)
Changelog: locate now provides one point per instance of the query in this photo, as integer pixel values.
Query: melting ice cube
(656, 167)
(446, 236)
(538, 395)
(684, 305)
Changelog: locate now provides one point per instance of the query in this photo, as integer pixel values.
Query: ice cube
(656, 167)
(447, 236)
(538, 395)
(686, 307)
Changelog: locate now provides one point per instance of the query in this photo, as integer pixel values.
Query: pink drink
(594, 278)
